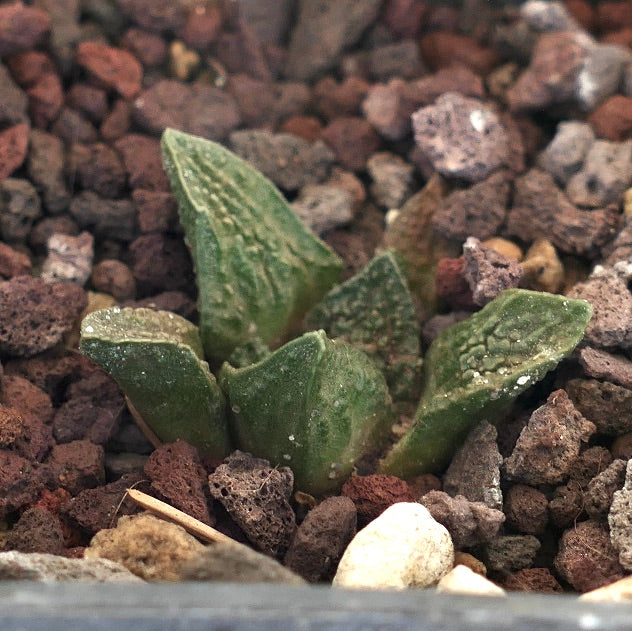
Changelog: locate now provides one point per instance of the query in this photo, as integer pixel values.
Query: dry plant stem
(192, 525)
(144, 428)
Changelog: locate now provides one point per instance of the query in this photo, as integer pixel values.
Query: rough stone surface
(533, 579)
(565, 154)
(611, 322)
(176, 472)
(235, 563)
(475, 468)
(477, 211)
(113, 277)
(13, 148)
(526, 509)
(321, 32)
(257, 497)
(21, 482)
(149, 547)
(605, 174)
(392, 179)
(20, 566)
(469, 523)
(404, 547)
(462, 137)
(488, 272)
(37, 530)
(323, 207)
(14, 100)
(143, 162)
(19, 208)
(21, 28)
(69, 258)
(550, 443)
(620, 518)
(352, 140)
(602, 365)
(321, 539)
(77, 465)
(97, 167)
(197, 109)
(373, 494)
(567, 504)
(601, 489)
(508, 553)
(613, 119)
(586, 558)
(105, 218)
(39, 314)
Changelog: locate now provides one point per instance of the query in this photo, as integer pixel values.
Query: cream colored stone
(505, 247)
(149, 547)
(183, 62)
(543, 270)
(404, 547)
(469, 560)
(462, 580)
(617, 592)
(627, 203)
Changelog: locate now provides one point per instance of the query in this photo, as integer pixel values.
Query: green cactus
(375, 312)
(156, 358)
(477, 367)
(259, 269)
(315, 405)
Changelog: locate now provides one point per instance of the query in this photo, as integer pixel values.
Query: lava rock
(37, 530)
(526, 509)
(77, 465)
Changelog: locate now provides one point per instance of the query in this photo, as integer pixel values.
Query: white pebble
(403, 547)
(462, 580)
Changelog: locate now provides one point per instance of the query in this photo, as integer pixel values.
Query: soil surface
(522, 113)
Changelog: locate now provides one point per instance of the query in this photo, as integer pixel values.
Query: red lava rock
(158, 16)
(526, 509)
(35, 314)
(194, 108)
(332, 99)
(307, 127)
(541, 210)
(99, 508)
(533, 579)
(18, 392)
(21, 28)
(566, 506)
(478, 211)
(508, 553)
(150, 49)
(583, 12)
(405, 17)
(52, 501)
(422, 484)
(442, 49)
(255, 100)
(24, 433)
(613, 15)
(321, 539)
(241, 51)
(257, 497)
(549, 445)
(89, 100)
(161, 262)
(176, 472)
(12, 262)
(13, 146)
(72, 127)
(451, 286)
(115, 278)
(201, 27)
(602, 365)
(373, 494)
(118, 121)
(352, 140)
(157, 211)
(37, 530)
(21, 482)
(77, 465)
(174, 301)
(488, 272)
(613, 118)
(98, 168)
(591, 462)
(622, 447)
(143, 162)
(105, 218)
(46, 97)
(601, 489)
(26, 68)
(587, 558)
(115, 68)
(469, 523)
(14, 103)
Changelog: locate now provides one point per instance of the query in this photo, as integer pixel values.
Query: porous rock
(474, 471)
(37, 530)
(403, 547)
(323, 207)
(236, 563)
(149, 547)
(392, 179)
(526, 509)
(19, 208)
(550, 444)
(620, 520)
(69, 258)
(77, 465)
(20, 566)
(321, 539)
(600, 364)
(600, 491)
(257, 497)
(508, 553)
(533, 579)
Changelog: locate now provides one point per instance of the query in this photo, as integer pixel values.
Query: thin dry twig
(144, 428)
(190, 524)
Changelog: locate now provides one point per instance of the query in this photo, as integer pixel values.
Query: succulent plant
(319, 405)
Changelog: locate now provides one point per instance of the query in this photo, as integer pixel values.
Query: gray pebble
(323, 207)
(543, 16)
(620, 520)
(19, 208)
(392, 179)
(509, 553)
